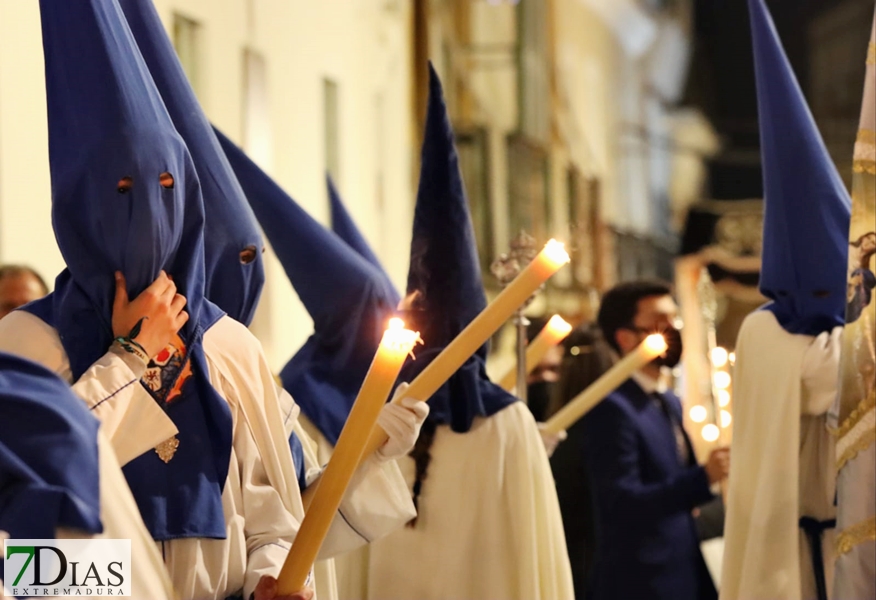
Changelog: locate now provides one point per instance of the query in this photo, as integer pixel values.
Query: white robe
(782, 468)
(261, 501)
(489, 525)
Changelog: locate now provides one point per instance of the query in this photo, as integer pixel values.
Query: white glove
(401, 421)
(820, 372)
(551, 440)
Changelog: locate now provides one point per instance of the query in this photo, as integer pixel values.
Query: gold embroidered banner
(855, 411)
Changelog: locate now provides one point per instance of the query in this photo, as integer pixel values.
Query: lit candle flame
(656, 343)
(556, 252)
(398, 338)
(559, 326)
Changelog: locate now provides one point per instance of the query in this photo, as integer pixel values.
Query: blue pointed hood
(233, 246)
(125, 197)
(445, 274)
(349, 300)
(345, 228)
(45, 428)
(806, 205)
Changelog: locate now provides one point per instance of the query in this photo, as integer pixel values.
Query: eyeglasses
(642, 330)
(678, 324)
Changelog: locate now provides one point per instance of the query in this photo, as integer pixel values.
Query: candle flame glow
(400, 339)
(719, 357)
(723, 398)
(711, 432)
(556, 252)
(722, 380)
(698, 413)
(726, 418)
(559, 326)
(656, 344)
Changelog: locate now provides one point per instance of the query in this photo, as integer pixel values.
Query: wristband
(134, 348)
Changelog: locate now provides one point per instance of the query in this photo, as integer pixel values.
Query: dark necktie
(680, 441)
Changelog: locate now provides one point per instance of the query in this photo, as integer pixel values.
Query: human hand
(718, 466)
(267, 590)
(551, 440)
(820, 371)
(402, 422)
(158, 310)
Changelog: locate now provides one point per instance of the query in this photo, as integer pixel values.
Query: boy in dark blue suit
(644, 474)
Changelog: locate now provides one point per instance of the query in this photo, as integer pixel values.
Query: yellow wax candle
(653, 346)
(546, 263)
(551, 334)
(396, 345)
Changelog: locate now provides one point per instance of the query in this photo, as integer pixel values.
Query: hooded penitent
(232, 243)
(349, 300)
(125, 197)
(445, 275)
(345, 228)
(44, 429)
(806, 205)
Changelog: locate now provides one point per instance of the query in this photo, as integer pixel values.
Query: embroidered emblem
(167, 373)
(164, 379)
(167, 449)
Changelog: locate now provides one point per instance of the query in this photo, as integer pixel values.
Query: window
(533, 71)
(331, 128)
(838, 39)
(528, 188)
(584, 223)
(380, 149)
(187, 41)
(257, 141)
(257, 138)
(473, 153)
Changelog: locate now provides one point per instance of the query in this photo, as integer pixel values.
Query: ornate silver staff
(505, 268)
(708, 296)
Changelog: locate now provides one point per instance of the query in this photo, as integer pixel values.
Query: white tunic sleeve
(820, 375)
(271, 507)
(129, 416)
(269, 526)
(377, 501)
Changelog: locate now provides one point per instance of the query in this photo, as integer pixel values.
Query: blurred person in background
(584, 357)
(640, 461)
(542, 382)
(19, 285)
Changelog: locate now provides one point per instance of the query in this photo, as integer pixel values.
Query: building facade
(566, 114)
